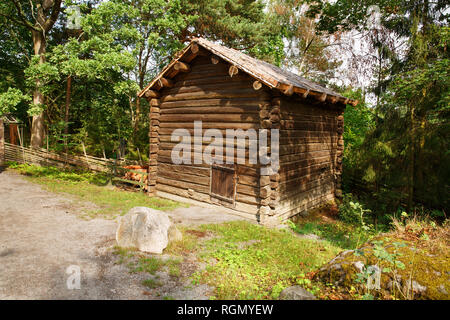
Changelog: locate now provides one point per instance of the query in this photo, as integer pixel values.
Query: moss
(427, 266)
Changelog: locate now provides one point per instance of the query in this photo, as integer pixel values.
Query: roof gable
(272, 76)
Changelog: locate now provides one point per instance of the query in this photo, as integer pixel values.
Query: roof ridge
(269, 74)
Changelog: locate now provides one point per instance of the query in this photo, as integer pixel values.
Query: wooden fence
(116, 168)
(45, 158)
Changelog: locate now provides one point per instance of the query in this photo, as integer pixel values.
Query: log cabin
(231, 92)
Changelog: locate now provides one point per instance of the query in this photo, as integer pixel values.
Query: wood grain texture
(210, 95)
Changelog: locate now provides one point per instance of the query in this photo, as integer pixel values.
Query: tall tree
(309, 52)
(405, 154)
(38, 17)
(166, 25)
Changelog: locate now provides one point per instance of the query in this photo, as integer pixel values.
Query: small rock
(442, 289)
(416, 287)
(310, 236)
(296, 293)
(245, 244)
(174, 234)
(397, 280)
(145, 229)
(336, 266)
(359, 265)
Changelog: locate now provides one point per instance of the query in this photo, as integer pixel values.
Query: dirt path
(41, 236)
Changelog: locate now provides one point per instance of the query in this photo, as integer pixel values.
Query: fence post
(2, 143)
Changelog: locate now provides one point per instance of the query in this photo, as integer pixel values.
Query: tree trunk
(37, 127)
(411, 170)
(138, 102)
(66, 116)
(137, 115)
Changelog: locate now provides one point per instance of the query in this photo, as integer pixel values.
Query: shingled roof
(272, 76)
(8, 118)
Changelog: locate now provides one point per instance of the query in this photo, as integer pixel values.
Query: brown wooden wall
(310, 148)
(206, 93)
(310, 153)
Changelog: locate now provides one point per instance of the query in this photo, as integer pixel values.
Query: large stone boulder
(145, 229)
(296, 293)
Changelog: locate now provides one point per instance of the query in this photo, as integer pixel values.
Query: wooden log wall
(311, 146)
(222, 97)
(339, 155)
(154, 115)
(2, 142)
(269, 115)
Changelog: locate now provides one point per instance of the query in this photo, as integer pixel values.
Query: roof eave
(286, 88)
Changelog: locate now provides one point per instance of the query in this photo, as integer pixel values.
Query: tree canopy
(77, 87)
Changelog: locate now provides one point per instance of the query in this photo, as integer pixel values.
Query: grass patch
(140, 262)
(254, 262)
(151, 283)
(174, 267)
(338, 233)
(92, 187)
(124, 254)
(147, 264)
(188, 244)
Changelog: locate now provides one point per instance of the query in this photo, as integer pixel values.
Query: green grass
(149, 265)
(243, 269)
(342, 235)
(151, 283)
(92, 187)
(140, 262)
(188, 244)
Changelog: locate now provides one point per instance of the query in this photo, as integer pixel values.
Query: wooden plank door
(223, 182)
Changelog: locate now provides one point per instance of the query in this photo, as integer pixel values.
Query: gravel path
(41, 235)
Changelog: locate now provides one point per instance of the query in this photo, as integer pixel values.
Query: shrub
(351, 211)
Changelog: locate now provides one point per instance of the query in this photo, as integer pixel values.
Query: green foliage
(396, 151)
(359, 121)
(303, 49)
(272, 50)
(353, 212)
(389, 260)
(120, 47)
(10, 99)
(16, 49)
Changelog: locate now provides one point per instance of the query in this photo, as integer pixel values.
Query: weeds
(151, 283)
